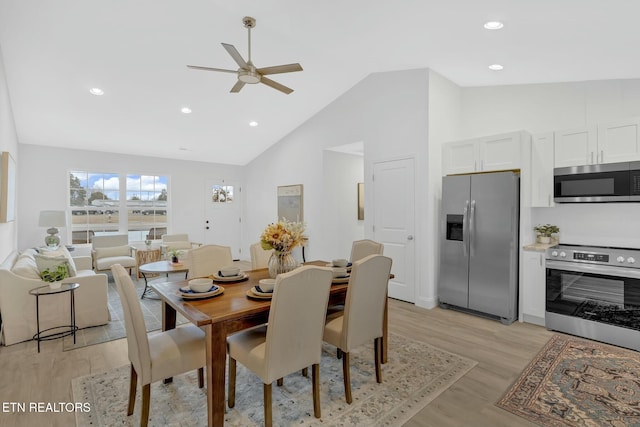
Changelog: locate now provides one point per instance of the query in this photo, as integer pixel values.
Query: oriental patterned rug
(416, 373)
(578, 382)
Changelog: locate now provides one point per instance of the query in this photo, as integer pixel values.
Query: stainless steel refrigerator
(479, 244)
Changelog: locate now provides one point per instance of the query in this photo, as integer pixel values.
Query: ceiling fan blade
(276, 85)
(197, 67)
(236, 55)
(277, 69)
(236, 87)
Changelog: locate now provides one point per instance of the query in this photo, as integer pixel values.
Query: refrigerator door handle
(464, 228)
(471, 227)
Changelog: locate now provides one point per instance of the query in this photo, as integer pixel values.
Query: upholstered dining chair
(292, 338)
(112, 249)
(259, 256)
(363, 315)
(366, 247)
(160, 355)
(207, 260)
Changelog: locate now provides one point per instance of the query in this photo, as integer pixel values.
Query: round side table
(66, 330)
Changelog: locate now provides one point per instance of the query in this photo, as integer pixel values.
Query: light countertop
(540, 247)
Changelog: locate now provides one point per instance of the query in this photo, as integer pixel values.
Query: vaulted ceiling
(136, 51)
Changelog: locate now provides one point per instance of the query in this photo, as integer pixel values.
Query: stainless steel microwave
(612, 182)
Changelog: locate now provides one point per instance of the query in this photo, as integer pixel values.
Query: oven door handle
(602, 270)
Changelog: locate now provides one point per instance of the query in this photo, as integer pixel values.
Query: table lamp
(52, 219)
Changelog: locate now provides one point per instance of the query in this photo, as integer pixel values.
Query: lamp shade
(53, 219)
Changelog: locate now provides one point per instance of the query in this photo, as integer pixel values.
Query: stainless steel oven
(594, 292)
(613, 182)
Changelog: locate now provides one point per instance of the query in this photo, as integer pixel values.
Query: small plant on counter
(546, 230)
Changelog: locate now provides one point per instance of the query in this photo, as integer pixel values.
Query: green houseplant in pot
(545, 231)
(174, 254)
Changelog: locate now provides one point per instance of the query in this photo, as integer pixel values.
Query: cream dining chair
(366, 247)
(207, 260)
(363, 315)
(160, 355)
(293, 338)
(259, 256)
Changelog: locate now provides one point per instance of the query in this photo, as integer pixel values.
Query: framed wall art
(7, 188)
(360, 200)
(290, 203)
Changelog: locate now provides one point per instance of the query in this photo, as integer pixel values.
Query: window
(96, 202)
(222, 193)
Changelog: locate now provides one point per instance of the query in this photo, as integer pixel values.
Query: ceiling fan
(248, 73)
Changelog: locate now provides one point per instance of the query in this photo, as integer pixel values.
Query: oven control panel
(621, 257)
(585, 256)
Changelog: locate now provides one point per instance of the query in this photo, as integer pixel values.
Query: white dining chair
(259, 256)
(366, 247)
(207, 260)
(159, 356)
(292, 338)
(363, 316)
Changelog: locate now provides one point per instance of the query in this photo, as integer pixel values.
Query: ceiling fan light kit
(248, 73)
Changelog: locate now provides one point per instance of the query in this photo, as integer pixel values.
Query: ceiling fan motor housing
(248, 76)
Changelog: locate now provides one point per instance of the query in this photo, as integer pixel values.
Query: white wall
(387, 111)
(548, 107)
(8, 142)
(44, 185)
(342, 172)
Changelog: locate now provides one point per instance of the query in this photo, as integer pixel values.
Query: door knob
(409, 237)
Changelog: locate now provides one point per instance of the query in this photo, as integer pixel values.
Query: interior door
(223, 214)
(393, 222)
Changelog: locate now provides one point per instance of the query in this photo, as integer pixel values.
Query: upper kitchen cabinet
(575, 147)
(619, 141)
(489, 153)
(542, 170)
(611, 142)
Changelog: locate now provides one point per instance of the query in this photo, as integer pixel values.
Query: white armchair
(179, 242)
(109, 250)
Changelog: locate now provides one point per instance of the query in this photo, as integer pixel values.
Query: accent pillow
(26, 266)
(124, 250)
(52, 268)
(61, 251)
(179, 245)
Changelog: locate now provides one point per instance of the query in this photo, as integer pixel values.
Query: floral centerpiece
(282, 237)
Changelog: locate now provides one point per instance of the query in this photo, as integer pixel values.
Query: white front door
(222, 214)
(393, 222)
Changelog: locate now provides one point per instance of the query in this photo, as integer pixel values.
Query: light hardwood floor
(501, 352)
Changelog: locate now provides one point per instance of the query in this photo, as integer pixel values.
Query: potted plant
(545, 231)
(174, 253)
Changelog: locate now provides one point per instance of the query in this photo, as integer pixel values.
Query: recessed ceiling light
(495, 67)
(185, 110)
(493, 25)
(253, 123)
(96, 91)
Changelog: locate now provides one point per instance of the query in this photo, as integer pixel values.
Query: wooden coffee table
(160, 267)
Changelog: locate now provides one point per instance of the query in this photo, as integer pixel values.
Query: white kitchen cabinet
(489, 153)
(542, 170)
(575, 147)
(619, 141)
(610, 142)
(533, 287)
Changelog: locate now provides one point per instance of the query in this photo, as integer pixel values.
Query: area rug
(578, 382)
(151, 310)
(416, 373)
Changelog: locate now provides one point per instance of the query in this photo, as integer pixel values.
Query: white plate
(216, 290)
(253, 293)
(237, 278)
(348, 267)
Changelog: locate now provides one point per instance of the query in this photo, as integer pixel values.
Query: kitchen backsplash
(600, 224)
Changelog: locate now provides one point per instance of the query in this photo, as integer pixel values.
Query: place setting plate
(255, 293)
(239, 278)
(187, 293)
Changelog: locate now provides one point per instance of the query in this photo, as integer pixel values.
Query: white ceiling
(136, 51)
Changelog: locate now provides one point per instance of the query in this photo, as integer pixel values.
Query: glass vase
(281, 262)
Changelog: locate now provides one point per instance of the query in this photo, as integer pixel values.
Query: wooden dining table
(224, 314)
